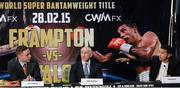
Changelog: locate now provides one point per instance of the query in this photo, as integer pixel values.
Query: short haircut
(167, 48)
(129, 23)
(20, 49)
(89, 49)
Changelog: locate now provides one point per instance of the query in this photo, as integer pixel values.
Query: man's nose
(30, 56)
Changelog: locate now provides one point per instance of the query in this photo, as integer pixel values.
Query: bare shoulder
(149, 39)
(150, 35)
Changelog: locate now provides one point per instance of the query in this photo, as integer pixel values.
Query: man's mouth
(126, 39)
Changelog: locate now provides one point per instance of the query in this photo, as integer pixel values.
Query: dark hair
(129, 23)
(168, 48)
(20, 49)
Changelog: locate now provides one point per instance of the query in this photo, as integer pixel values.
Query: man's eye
(122, 30)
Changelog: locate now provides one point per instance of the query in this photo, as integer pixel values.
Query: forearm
(144, 51)
(5, 49)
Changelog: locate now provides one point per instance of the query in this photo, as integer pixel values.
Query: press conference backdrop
(150, 15)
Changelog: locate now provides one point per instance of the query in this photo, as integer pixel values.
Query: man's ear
(135, 29)
(91, 55)
(19, 55)
(169, 55)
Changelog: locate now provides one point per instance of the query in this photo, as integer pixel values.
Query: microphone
(165, 67)
(66, 72)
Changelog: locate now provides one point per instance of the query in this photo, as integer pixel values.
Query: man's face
(85, 54)
(164, 56)
(25, 56)
(127, 33)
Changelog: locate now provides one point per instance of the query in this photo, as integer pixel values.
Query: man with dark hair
(160, 66)
(20, 49)
(132, 44)
(168, 49)
(23, 67)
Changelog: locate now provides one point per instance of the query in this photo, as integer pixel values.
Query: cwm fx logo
(4, 18)
(102, 17)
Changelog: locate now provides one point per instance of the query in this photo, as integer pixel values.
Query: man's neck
(166, 61)
(138, 40)
(21, 60)
(85, 61)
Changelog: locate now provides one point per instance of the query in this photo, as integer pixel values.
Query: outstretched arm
(147, 46)
(6, 49)
(102, 58)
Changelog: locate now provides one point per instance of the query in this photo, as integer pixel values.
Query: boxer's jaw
(126, 39)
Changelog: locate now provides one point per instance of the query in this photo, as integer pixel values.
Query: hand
(122, 60)
(16, 43)
(102, 58)
(115, 43)
(13, 83)
(118, 43)
(29, 78)
(33, 27)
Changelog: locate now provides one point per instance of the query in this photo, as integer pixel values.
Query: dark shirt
(16, 70)
(154, 63)
(77, 72)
